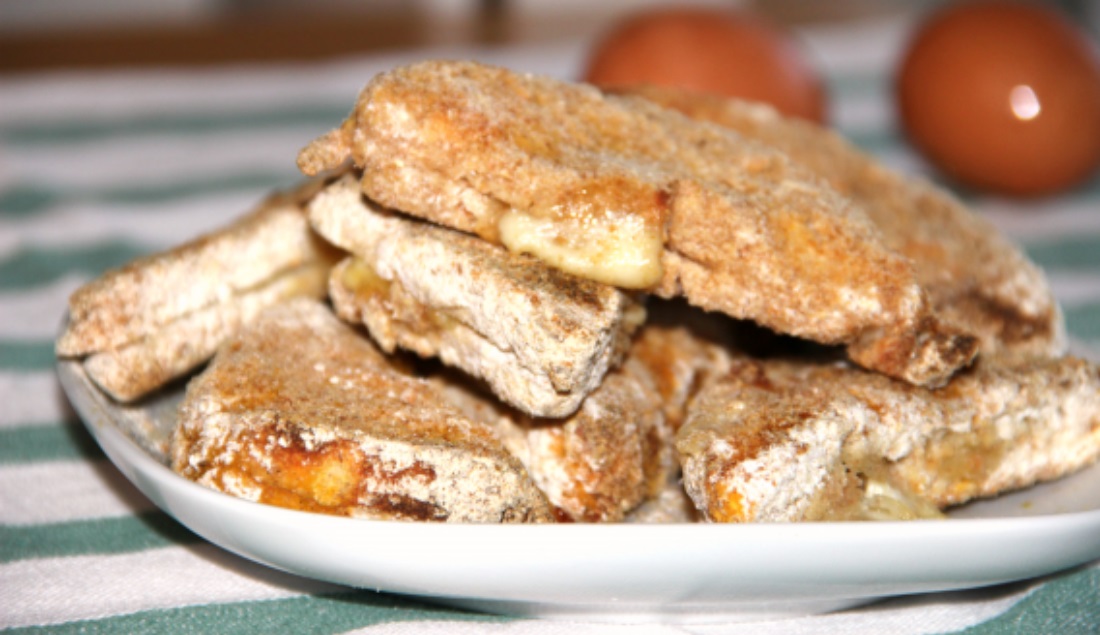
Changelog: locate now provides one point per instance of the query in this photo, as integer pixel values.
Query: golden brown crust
(973, 275)
(298, 410)
(693, 209)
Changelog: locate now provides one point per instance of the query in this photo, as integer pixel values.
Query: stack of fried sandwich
(506, 298)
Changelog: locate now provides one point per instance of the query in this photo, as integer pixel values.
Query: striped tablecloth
(96, 168)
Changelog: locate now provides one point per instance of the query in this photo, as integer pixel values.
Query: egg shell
(723, 52)
(1003, 96)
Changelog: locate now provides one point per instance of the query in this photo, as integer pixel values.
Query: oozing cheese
(616, 249)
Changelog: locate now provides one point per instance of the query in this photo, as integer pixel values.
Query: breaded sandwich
(160, 316)
(624, 192)
(540, 338)
(300, 411)
(781, 440)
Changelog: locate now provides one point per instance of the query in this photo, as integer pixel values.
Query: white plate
(693, 573)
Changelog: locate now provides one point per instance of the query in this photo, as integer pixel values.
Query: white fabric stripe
(841, 53)
(35, 313)
(843, 49)
(1075, 289)
(56, 590)
(92, 96)
(161, 158)
(1043, 221)
(861, 115)
(30, 398)
(62, 491)
(160, 226)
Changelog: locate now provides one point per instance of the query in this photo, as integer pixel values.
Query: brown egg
(710, 50)
(1003, 96)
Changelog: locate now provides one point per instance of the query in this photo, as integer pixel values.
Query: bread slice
(790, 441)
(684, 350)
(300, 411)
(975, 277)
(160, 316)
(129, 371)
(624, 192)
(541, 339)
(614, 455)
(597, 464)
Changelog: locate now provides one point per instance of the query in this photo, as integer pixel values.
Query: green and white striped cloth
(97, 168)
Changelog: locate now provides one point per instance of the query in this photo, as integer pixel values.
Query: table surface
(97, 167)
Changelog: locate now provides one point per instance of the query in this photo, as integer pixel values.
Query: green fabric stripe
(1070, 252)
(324, 116)
(35, 266)
(26, 355)
(313, 614)
(69, 440)
(873, 142)
(124, 534)
(1083, 321)
(29, 198)
(1068, 605)
(846, 85)
(20, 200)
